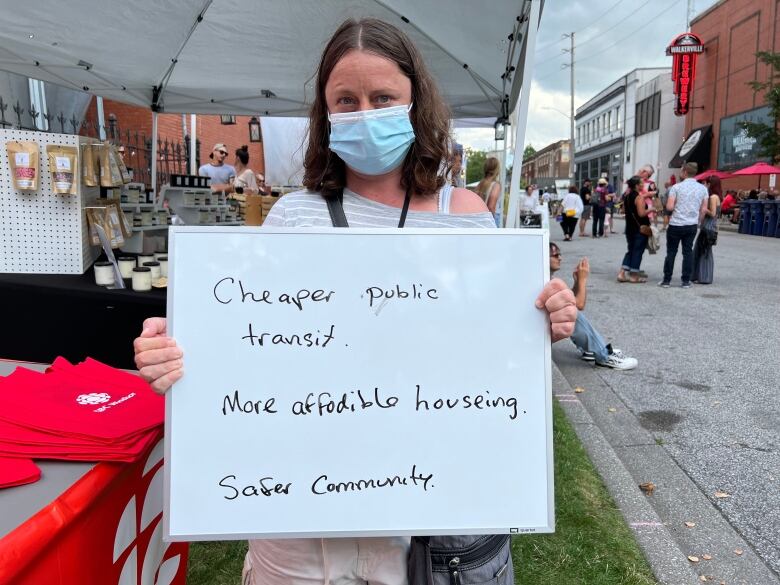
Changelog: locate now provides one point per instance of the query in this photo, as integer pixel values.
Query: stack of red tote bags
(84, 412)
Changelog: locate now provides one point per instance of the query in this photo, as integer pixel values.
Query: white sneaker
(618, 361)
(588, 356)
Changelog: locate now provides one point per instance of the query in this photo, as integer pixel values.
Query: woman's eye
(346, 100)
(383, 99)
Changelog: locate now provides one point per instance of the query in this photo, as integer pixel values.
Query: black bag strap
(339, 219)
(336, 210)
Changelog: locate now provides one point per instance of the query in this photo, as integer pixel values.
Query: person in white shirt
(572, 209)
(687, 202)
(529, 201)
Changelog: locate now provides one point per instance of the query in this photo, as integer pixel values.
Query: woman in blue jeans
(636, 216)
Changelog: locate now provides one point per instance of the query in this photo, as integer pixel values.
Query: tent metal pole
(154, 159)
(513, 218)
(101, 118)
(193, 144)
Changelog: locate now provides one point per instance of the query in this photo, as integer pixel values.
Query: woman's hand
(157, 357)
(559, 302)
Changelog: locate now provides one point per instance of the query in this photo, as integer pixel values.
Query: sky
(612, 38)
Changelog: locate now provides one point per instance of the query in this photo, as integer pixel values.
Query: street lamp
(500, 127)
(255, 133)
(561, 112)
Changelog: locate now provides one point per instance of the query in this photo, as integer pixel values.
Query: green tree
(767, 134)
(475, 165)
(529, 152)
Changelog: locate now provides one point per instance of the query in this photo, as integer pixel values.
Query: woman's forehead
(362, 68)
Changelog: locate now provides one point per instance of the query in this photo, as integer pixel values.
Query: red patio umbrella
(760, 168)
(712, 173)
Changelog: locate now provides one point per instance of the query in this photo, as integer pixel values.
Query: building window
(648, 114)
(617, 118)
(227, 119)
(609, 121)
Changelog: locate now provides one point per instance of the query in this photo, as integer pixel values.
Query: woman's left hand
(559, 302)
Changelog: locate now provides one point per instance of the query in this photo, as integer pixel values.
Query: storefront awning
(695, 148)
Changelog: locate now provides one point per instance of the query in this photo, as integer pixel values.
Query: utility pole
(689, 16)
(571, 110)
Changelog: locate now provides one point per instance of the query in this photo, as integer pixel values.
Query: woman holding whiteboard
(379, 132)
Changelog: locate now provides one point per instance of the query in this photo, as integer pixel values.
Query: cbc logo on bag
(93, 398)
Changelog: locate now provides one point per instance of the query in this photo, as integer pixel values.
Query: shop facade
(657, 131)
(732, 32)
(549, 167)
(605, 129)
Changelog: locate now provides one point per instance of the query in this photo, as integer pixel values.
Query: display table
(88, 523)
(70, 316)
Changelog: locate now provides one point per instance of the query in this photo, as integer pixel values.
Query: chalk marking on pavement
(565, 395)
(642, 524)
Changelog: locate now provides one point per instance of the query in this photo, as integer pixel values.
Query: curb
(668, 563)
(626, 455)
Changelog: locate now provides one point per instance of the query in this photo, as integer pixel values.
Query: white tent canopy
(255, 57)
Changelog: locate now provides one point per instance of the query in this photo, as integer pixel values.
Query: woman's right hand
(157, 357)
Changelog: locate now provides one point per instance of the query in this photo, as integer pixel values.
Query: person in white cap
(219, 172)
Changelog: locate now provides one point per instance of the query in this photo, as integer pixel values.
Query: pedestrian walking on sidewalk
(637, 231)
(688, 203)
(703, 259)
(587, 339)
(585, 194)
(572, 208)
(599, 207)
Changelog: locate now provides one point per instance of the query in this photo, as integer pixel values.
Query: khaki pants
(329, 561)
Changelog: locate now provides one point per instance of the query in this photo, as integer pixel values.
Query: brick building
(732, 32)
(549, 166)
(210, 129)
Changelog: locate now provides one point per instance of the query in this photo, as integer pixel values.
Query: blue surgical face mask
(372, 142)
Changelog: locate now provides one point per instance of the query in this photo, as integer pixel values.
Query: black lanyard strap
(339, 219)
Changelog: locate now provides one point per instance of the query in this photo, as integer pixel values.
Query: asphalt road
(700, 416)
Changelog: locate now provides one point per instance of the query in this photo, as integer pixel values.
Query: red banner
(106, 528)
(685, 48)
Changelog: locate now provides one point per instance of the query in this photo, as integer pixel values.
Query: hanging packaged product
(23, 158)
(63, 166)
(108, 219)
(126, 178)
(110, 175)
(89, 174)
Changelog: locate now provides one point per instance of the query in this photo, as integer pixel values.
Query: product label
(63, 163)
(22, 159)
(63, 181)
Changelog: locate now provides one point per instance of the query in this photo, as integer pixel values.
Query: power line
(621, 21)
(610, 9)
(605, 49)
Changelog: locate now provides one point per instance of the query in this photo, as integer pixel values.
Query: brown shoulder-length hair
(427, 162)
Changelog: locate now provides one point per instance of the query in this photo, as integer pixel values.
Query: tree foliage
(529, 152)
(475, 166)
(767, 134)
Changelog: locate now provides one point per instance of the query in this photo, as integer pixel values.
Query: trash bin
(770, 219)
(756, 217)
(744, 217)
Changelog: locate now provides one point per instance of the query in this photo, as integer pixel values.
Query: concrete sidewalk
(695, 418)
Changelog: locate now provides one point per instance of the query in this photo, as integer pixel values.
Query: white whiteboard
(391, 470)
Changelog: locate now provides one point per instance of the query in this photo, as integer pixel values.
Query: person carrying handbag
(637, 232)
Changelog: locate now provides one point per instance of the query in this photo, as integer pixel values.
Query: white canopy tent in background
(257, 57)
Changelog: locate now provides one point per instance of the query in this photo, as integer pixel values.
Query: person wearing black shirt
(636, 217)
(585, 194)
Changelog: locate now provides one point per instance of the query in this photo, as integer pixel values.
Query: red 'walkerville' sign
(685, 48)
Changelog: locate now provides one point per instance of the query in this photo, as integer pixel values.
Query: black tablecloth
(45, 316)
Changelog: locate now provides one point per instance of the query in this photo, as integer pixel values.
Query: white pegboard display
(42, 231)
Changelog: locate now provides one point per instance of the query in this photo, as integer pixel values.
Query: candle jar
(126, 265)
(104, 273)
(162, 218)
(136, 220)
(157, 255)
(145, 258)
(203, 216)
(146, 217)
(155, 268)
(142, 279)
(163, 260)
